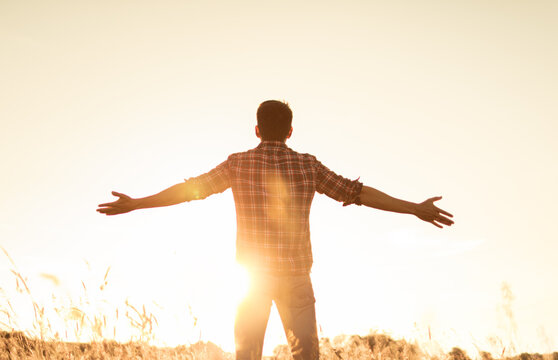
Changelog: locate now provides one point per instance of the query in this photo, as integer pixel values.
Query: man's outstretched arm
(175, 194)
(425, 210)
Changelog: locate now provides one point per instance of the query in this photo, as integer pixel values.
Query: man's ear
(258, 132)
(290, 132)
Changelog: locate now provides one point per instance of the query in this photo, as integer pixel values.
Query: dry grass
(15, 345)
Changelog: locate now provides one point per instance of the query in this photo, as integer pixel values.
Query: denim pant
(294, 298)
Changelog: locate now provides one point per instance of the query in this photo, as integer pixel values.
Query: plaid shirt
(273, 187)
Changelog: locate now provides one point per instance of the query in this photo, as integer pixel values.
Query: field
(15, 345)
(94, 333)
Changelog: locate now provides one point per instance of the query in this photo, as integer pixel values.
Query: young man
(273, 187)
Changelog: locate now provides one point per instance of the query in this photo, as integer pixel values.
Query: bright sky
(418, 98)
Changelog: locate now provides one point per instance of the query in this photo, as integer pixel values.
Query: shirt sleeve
(337, 187)
(213, 182)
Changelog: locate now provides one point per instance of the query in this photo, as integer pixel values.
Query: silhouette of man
(273, 187)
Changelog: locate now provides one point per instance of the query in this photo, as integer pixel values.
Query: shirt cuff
(354, 193)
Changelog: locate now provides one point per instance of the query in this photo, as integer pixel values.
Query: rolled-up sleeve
(212, 182)
(337, 187)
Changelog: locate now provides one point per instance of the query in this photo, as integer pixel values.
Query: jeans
(294, 298)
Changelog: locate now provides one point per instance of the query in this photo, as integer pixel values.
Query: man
(273, 187)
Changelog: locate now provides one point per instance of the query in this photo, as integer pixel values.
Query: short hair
(274, 120)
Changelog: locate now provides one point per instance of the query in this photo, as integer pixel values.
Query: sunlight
(216, 313)
(238, 282)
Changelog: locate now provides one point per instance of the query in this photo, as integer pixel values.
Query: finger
(111, 211)
(435, 198)
(437, 225)
(115, 209)
(444, 212)
(444, 220)
(106, 204)
(118, 194)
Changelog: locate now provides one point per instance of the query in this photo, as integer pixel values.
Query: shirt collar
(272, 144)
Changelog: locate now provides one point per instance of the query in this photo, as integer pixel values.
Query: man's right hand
(123, 205)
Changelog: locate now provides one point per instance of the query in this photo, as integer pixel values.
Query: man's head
(274, 120)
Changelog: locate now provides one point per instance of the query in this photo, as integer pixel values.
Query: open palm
(428, 212)
(123, 205)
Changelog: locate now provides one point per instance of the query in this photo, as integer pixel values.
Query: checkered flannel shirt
(273, 187)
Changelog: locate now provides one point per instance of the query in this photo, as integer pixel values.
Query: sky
(417, 98)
